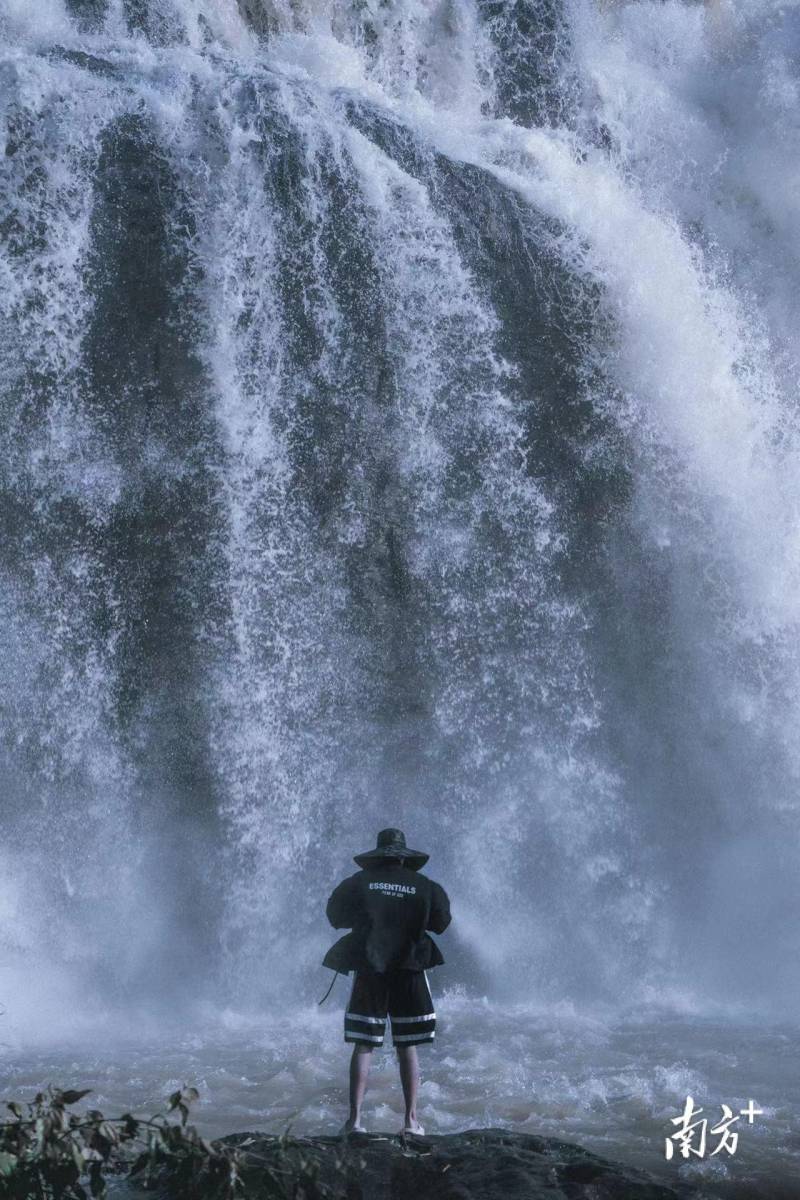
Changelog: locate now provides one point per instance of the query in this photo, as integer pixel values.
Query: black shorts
(403, 995)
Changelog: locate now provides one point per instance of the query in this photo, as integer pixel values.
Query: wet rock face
(482, 1164)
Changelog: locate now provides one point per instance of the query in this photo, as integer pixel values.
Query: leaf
(139, 1164)
(155, 1139)
(15, 1108)
(130, 1123)
(191, 1094)
(8, 1163)
(72, 1097)
(97, 1184)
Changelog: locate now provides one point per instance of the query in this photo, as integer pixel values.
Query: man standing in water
(388, 907)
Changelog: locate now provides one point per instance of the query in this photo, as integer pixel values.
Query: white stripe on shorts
(361, 1037)
(413, 1037)
(348, 1016)
(411, 1020)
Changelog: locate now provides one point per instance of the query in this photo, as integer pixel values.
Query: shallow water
(611, 1084)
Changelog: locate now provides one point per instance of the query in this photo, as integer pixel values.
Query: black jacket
(388, 909)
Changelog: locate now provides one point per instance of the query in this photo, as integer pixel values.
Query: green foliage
(47, 1153)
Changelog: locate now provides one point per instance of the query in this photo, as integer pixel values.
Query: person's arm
(440, 909)
(339, 910)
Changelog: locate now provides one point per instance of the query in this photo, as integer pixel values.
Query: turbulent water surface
(614, 1085)
(399, 426)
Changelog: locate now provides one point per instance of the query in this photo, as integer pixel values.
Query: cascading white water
(399, 427)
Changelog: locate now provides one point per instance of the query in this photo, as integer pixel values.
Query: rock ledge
(480, 1164)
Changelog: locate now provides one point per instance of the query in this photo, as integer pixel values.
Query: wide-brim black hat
(392, 844)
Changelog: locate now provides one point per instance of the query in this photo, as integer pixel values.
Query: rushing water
(613, 1085)
(399, 426)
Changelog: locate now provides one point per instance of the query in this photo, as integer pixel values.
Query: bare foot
(351, 1126)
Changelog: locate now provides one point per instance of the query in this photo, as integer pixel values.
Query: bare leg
(359, 1071)
(409, 1077)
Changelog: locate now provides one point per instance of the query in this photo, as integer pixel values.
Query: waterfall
(399, 427)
